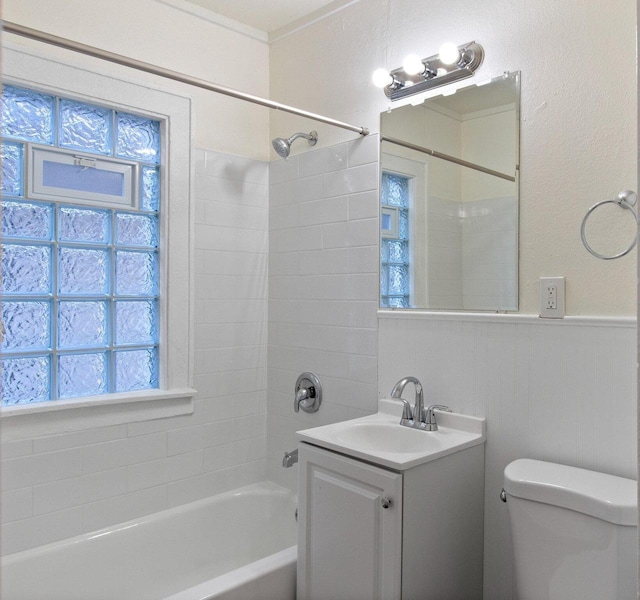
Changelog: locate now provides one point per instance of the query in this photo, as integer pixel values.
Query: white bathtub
(239, 545)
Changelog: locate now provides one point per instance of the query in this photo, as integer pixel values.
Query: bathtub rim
(230, 581)
(265, 487)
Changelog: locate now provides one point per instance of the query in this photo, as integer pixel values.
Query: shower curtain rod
(67, 44)
(452, 159)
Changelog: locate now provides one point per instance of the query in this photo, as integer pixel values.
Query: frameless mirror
(449, 200)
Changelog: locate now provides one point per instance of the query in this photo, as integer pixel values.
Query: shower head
(283, 147)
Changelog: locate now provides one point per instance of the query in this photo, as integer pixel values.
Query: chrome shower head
(283, 147)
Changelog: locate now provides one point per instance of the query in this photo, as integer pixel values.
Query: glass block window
(79, 293)
(12, 172)
(395, 273)
(28, 115)
(85, 127)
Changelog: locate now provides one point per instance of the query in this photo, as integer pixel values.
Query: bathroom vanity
(387, 512)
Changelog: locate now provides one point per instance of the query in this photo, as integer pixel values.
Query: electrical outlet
(552, 297)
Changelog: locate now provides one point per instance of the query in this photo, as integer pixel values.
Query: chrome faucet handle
(407, 414)
(308, 393)
(304, 397)
(430, 418)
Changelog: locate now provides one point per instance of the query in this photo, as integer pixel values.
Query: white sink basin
(380, 438)
(389, 437)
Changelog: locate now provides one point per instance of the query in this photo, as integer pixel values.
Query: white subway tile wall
(471, 250)
(444, 253)
(562, 392)
(58, 486)
(323, 289)
(489, 248)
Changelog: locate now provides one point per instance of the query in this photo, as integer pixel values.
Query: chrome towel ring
(626, 199)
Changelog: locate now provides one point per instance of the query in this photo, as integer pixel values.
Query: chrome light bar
(435, 72)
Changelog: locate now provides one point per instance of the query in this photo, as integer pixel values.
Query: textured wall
(157, 33)
(577, 130)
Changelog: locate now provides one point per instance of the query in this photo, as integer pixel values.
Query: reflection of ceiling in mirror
(477, 98)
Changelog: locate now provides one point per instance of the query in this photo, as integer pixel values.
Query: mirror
(449, 200)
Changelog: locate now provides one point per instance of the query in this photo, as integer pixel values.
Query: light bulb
(449, 54)
(381, 78)
(413, 65)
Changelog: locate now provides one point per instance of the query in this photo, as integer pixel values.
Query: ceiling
(266, 15)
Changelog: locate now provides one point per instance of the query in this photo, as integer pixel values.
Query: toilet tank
(573, 532)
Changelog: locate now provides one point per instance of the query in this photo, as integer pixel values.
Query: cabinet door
(349, 545)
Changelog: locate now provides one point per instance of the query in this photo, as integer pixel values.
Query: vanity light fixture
(417, 75)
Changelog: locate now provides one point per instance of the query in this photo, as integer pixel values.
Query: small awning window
(69, 176)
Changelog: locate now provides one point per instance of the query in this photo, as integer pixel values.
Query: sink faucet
(410, 418)
(419, 417)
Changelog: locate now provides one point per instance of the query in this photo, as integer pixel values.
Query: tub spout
(290, 458)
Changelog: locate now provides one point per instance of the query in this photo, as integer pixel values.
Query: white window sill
(64, 416)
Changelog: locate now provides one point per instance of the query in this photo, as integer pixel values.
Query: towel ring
(626, 199)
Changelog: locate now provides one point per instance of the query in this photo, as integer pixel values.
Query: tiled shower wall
(444, 253)
(63, 485)
(557, 390)
(471, 253)
(323, 289)
(489, 253)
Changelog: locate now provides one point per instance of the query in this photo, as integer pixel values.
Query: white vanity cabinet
(349, 545)
(426, 544)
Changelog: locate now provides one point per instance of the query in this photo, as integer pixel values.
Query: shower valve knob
(308, 393)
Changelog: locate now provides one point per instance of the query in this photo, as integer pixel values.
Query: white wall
(563, 392)
(575, 127)
(163, 34)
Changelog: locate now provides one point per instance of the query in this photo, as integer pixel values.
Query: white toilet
(573, 532)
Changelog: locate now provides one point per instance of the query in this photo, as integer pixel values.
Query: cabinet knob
(385, 502)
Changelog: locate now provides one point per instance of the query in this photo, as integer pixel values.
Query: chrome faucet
(419, 417)
(410, 418)
(290, 458)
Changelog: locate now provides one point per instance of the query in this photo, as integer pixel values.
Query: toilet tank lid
(606, 497)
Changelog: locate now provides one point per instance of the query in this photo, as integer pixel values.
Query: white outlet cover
(558, 283)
